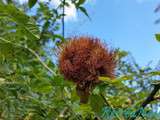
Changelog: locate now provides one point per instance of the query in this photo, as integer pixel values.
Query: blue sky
(126, 24)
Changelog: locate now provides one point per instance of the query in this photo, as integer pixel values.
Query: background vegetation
(31, 87)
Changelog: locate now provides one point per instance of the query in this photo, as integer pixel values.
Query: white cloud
(70, 11)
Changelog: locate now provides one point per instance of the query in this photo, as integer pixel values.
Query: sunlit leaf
(157, 37)
(117, 80)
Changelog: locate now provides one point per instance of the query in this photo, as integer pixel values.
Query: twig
(110, 106)
(149, 99)
(31, 51)
(38, 57)
(63, 24)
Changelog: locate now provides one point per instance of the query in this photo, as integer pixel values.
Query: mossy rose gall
(82, 60)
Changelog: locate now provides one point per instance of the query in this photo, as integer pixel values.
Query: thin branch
(63, 24)
(31, 51)
(149, 99)
(38, 57)
(107, 103)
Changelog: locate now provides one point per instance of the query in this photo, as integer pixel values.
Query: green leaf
(121, 53)
(57, 36)
(42, 87)
(154, 73)
(97, 103)
(125, 77)
(84, 109)
(84, 11)
(31, 3)
(2, 80)
(156, 82)
(24, 23)
(105, 79)
(157, 37)
(80, 2)
(117, 80)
